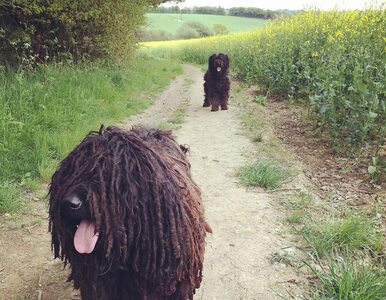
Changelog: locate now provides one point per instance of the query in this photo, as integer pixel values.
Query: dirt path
(246, 230)
(246, 227)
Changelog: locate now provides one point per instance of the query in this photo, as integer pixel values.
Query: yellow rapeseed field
(334, 60)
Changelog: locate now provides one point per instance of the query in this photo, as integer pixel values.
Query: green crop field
(171, 22)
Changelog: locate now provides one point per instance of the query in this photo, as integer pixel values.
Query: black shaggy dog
(216, 82)
(126, 215)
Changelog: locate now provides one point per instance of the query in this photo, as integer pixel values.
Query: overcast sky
(280, 4)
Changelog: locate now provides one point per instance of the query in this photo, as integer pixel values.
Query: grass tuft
(175, 120)
(347, 236)
(295, 217)
(298, 207)
(343, 280)
(263, 173)
(257, 137)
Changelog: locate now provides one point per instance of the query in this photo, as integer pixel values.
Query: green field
(171, 22)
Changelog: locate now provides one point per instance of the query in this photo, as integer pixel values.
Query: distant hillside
(171, 22)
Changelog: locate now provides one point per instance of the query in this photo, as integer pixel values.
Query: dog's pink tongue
(85, 237)
(218, 69)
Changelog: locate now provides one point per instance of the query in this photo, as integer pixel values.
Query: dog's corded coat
(216, 82)
(147, 211)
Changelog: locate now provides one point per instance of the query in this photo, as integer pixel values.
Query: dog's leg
(206, 91)
(224, 103)
(225, 97)
(206, 102)
(215, 106)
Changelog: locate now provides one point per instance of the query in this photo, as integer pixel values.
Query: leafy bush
(185, 33)
(35, 31)
(201, 29)
(378, 168)
(153, 35)
(219, 29)
(192, 29)
(261, 99)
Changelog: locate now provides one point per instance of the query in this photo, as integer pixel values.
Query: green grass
(171, 22)
(257, 137)
(44, 113)
(298, 208)
(344, 280)
(178, 116)
(174, 121)
(260, 99)
(346, 236)
(284, 258)
(263, 173)
(253, 121)
(10, 197)
(295, 217)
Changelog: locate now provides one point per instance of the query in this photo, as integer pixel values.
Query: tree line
(249, 12)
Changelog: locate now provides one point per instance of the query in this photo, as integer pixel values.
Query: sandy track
(246, 231)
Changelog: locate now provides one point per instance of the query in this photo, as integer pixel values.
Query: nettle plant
(377, 168)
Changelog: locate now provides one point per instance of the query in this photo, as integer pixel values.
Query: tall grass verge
(44, 113)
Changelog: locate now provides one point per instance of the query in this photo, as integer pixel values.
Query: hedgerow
(35, 31)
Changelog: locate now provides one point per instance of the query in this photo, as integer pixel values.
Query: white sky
(281, 4)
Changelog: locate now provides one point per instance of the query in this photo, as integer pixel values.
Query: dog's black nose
(74, 206)
(72, 202)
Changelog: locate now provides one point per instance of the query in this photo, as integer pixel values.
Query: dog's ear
(101, 129)
(211, 58)
(225, 56)
(227, 60)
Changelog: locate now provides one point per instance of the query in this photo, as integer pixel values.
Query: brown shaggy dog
(217, 84)
(126, 215)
